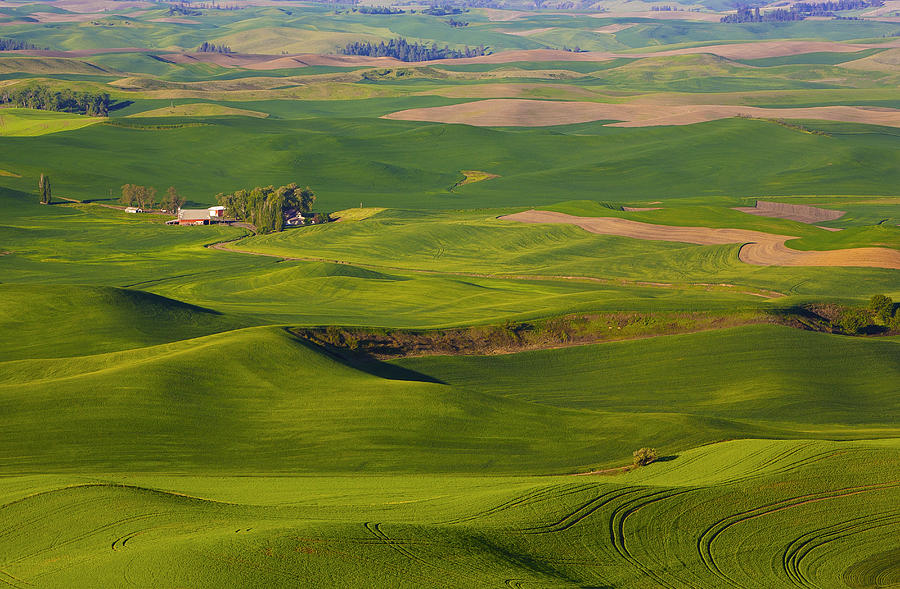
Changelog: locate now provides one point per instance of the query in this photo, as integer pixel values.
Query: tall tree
(172, 201)
(44, 190)
(146, 197)
(129, 195)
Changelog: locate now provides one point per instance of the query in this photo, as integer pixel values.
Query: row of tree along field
(43, 98)
(144, 197)
(403, 50)
(799, 11)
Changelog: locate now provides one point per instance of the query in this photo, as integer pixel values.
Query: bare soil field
(801, 213)
(502, 90)
(759, 249)
(527, 33)
(541, 113)
(884, 61)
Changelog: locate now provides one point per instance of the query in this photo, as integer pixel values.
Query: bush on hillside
(645, 456)
(882, 306)
(852, 321)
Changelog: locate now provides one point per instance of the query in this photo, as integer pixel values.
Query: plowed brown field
(542, 113)
(759, 249)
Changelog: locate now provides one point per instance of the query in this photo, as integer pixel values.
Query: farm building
(133, 210)
(199, 216)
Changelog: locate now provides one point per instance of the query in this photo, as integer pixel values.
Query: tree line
(15, 45)
(403, 50)
(43, 98)
(144, 197)
(379, 10)
(267, 207)
(798, 11)
(207, 47)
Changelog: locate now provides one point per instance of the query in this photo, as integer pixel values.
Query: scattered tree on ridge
(44, 190)
(644, 456)
(172, 201)
(267, 207)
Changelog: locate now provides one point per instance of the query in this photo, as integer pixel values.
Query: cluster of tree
(267, 207)
(798, 11)
(745, 15)
(43, 98)
(15, 45)
(183, 10)
(144, 197)
(44, 190)
(575, 49)
(379, 10)
(403, 50)
(207, 47)
(443, 10)
(457, 23)
(879, 316)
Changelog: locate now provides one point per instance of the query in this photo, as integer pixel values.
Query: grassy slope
(256, 400)
(413, 165)
(744, 513)
(25, 122)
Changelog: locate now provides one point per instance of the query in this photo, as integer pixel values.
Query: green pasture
(164, 427)
(738, 514)
(413, 165)
(24, 122)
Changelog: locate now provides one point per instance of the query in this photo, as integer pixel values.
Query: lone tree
(44, 190)
(172, 201)
(644, 456)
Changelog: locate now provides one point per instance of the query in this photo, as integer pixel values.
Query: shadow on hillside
(120, 104)
(365, 363)
(666, 458)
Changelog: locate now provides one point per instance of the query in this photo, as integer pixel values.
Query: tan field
(541, 113)
(527, 33)
(801, 213)
(759, 249)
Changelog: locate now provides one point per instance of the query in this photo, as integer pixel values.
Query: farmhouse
(199, 216)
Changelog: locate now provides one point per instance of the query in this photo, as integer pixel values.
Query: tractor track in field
(533, 496)
(763, 293)
(709, 536)
(617, 530)
(583, 511)
(801, 547)
(16, 582)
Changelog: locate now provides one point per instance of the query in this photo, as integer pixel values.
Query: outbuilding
(201, 216)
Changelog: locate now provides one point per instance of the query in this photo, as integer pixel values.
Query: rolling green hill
(167, 423)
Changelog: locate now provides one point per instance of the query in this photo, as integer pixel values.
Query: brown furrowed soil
(542, 113)
(759, 249)
(801, 213)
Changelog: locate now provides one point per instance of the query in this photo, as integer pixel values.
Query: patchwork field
(545, 236)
